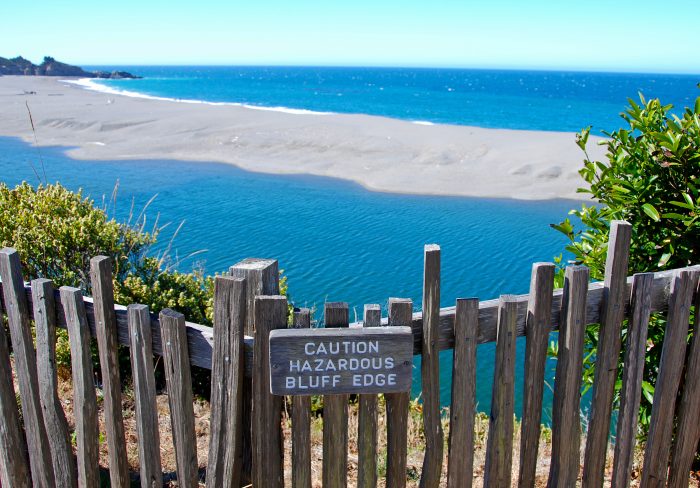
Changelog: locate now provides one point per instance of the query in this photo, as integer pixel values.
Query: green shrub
(57, 232)
(651, 179)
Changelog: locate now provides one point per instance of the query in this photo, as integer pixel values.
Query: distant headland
(51, 67)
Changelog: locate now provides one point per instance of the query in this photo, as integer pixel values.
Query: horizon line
(602, 70)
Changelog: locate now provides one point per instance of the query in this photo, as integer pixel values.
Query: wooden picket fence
(246, 444)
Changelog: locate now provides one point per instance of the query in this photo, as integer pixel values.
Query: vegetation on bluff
(651, 179)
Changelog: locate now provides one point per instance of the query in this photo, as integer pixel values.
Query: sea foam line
(89, 84)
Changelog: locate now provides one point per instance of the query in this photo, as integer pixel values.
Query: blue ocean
(507, 99)
(335, 240)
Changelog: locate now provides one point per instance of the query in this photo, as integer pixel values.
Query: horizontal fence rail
(200, 338)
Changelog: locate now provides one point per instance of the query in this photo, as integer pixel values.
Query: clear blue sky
(611, 35)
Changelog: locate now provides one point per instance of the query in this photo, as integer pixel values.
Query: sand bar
(379, 153)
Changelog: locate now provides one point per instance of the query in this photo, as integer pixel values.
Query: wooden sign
(335, 361)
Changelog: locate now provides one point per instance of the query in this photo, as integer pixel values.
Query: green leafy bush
(651, 179)
(57, 232)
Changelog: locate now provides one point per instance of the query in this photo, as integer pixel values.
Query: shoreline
(379, 153)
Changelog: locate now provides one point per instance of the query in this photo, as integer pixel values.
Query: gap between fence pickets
(201, 340)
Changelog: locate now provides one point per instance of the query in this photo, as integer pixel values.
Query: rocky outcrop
(51, 67)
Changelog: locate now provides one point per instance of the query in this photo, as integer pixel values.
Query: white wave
(89, 84)
(422, 122)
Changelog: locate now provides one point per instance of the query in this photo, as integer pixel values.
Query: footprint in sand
(525, 169)
(550, 173)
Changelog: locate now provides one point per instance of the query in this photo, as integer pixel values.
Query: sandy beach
(379, 153)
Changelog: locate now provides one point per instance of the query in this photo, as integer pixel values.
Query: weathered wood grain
(537, 329)
(367, 417)
(235, 433)
(615, 300)
(335, 414)
(341, 361)
(141, 354)
(658, 445)
(268, 471)
(688, 430)
(566, 422)
(262, 278)
(460, 468)
(632, 374)
(200, 338)
(64, 467)
(226, 436)
(430, 369)
(400, 311)
(301, 422)
(499, 448)
(107, 343)
(14, 463)
(179, 384)
(84, 398)
(18, 317)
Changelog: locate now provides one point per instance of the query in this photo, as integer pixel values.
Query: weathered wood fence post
(367, 419)
(178, 379)
(64, 466)
(612, 314)
(659, 439)
(84, 397)
(268, 471)
(537, 329)
(499, 449)
(460, 455)
(18, 317)
(632, 375)
(262, 278)
(335, 414)
(301, 422)
(397, 404)
(226, 436)
(14, 466)
(430, 369)
(566, 420)
(141, 354)
(106, 332)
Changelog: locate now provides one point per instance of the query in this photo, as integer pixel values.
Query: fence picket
(566, 422)
(262, 278)
(225, 438)
(64, 467)
(499, 449)
(400, 314)
(335, 415)
(670, 369)
(179, 383)
(537, 329)
(367, 419)
(430, 369)
(84, 397)
(106, 332)
(14, 466)
(301, 422)
(632, 374)
(460, 468)
(688, 430)
(141, 354)
(268, 471)
(607, 356)
(18, 318)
